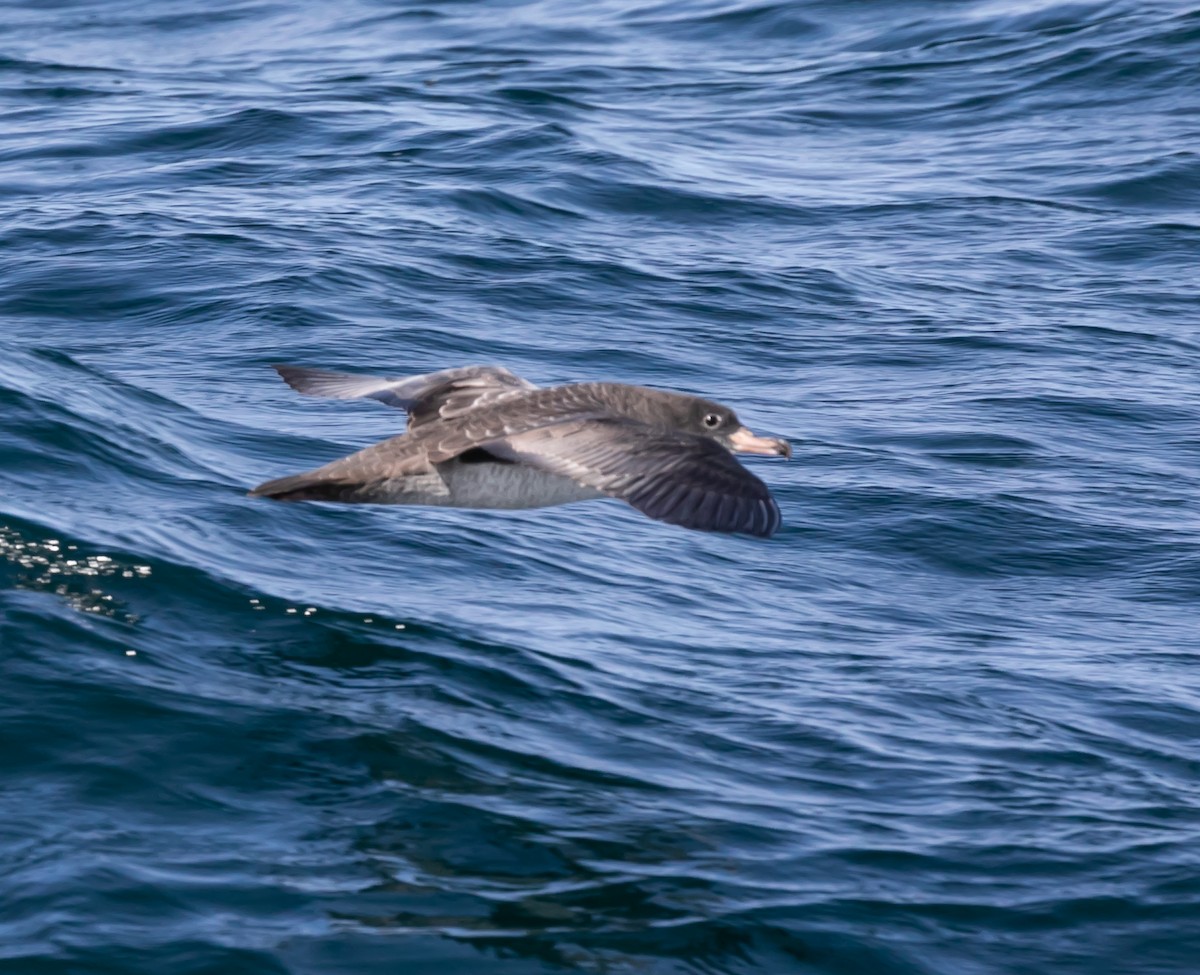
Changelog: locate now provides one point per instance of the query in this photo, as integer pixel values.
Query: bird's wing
(430, 396)
(372, 474)
(431, 439)
(678, 478)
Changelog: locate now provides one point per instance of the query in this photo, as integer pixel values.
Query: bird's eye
(712, 420)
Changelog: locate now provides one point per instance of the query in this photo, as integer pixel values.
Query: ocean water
(946, 722)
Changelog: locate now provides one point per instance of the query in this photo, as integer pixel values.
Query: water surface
(945, 723)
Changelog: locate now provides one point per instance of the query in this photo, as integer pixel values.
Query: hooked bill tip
(745, 442)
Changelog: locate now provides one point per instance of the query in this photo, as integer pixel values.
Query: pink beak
(744, 442)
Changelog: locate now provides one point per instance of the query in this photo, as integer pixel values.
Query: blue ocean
(945, 722)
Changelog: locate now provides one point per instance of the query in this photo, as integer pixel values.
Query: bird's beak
(743, 441)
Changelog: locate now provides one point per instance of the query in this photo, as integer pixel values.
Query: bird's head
(702, 417)
(709, 419)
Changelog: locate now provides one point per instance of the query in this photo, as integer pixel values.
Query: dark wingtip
(315, 487)
(694, 507)
(338, 385)
(773, 521)
(300, 378)
(294, 487)
(275, 490)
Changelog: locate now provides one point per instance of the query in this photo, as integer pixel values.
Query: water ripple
(941, 723)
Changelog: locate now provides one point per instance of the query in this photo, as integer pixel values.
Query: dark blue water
(947, 722)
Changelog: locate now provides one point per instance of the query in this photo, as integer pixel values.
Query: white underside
(485, 485)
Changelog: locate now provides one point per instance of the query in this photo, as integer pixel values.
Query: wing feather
(432, 395)
(674, 477)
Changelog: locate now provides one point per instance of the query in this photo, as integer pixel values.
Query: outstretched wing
(673, 477)
(430, 396)
(392, 471)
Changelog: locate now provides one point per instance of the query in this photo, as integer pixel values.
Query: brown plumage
(482, 437)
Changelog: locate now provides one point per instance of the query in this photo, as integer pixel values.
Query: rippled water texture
(946, 722)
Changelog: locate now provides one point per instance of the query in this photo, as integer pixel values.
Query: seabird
(483, 437)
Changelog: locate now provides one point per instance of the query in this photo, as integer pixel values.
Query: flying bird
(483, 437)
